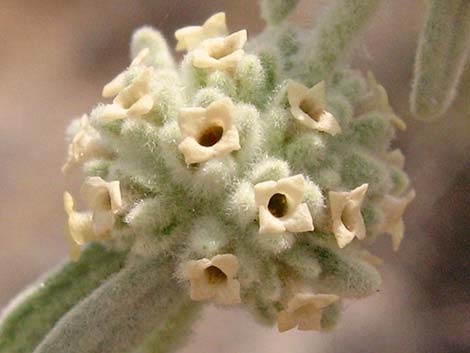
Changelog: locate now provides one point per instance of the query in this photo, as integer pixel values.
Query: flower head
(304, 310)
(393, 208)
(223, 53)
(224, 153)
(208, 132)
(346, 214)
(214, 279)
(104, 200)
(280, 205)
(308, 106)
(190, 37)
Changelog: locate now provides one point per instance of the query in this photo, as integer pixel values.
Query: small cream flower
(223, 53)
(280, 206)
(309, 107)
(377, 99)
(118, 83)
(346, 214)
(190, 37)
(214, 279)
(79, 227)
(393, 208)
(85, 144)
(305, 311)
(208, 133)
(104, 200)
(133, 100)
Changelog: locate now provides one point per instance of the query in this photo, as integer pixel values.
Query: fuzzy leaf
(274, 11)
(121, 313)
(34, 313)
(173, 333)
(442, 53)
(334, 33)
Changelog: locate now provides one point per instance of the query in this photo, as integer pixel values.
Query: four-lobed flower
(304, 310)
(104, 200)
(190, 37)
(280, 205)
(86, 143)
(79, 227)
(308, 106)
(347, 221)
(208, 132)
(118, 83)
(222, 53)
(131, 98)
(394, 208)
(377, 100)
(214, 279)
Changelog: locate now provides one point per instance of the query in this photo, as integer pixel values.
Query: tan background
(55, 57)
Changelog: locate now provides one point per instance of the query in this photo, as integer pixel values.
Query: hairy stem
(173, 333)
(33, 314)
(121, 313)
(274, 11)
(333, 35)
(442, 52)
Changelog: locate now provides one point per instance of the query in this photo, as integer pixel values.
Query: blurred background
(55, 56)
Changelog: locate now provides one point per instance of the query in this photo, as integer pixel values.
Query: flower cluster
(264, 187)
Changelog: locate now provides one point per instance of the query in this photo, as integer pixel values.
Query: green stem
(121, 313)
(442, 52)
(174, 332)
(34, 314)
(333, 35)
(275, 11)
